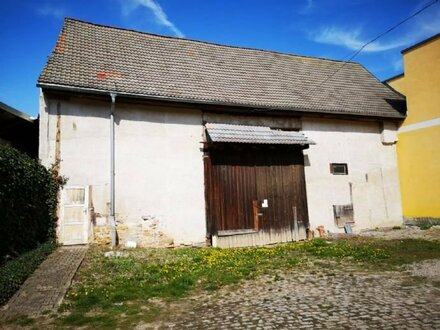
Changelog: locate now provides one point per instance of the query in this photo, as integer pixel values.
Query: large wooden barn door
(280, 180)
(231, 189)
(255, 188)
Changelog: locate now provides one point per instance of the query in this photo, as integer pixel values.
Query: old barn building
(177, 141)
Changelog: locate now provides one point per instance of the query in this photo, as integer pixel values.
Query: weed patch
(24, 321)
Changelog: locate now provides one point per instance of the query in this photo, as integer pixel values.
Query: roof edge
(435, 36)
(385, 81)
(16, 112)
(201, 102)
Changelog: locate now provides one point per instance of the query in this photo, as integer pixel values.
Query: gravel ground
(432, 234)
(428, 268)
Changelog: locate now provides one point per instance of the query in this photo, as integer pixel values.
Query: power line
(371, 41)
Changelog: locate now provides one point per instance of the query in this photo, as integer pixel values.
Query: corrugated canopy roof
(103, 58)
(254, 134)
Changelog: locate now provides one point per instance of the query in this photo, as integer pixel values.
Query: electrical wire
(371, 41)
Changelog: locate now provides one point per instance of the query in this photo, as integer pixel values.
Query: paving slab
(44, 290)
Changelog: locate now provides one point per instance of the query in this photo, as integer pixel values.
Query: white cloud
(50, 11)
(352, 40)
(161, 18)
(411, 32)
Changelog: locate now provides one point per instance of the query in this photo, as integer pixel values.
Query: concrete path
(45, 288)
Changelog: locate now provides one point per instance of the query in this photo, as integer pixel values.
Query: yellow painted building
(418, 146)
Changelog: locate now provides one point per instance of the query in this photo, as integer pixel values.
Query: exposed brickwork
(146, 234)
(45, 288)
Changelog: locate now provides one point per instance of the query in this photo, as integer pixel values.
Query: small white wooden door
(74, 220)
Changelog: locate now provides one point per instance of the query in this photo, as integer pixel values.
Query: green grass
(121, 292)
(375, 254)
(146, 274)
(409, 250)
(425, 226)
(359, 250)
(14, 272)
(111, 287)
(24, 321)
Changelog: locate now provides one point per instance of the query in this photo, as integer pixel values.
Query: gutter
(112, 170)
(215, 103)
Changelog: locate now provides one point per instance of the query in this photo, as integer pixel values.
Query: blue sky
(324, 28)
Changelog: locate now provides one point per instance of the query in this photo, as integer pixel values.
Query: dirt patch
(428, 268)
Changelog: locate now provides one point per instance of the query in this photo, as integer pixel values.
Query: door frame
(211, 221)
(86, 211)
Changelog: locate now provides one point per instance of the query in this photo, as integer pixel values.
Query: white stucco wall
(160, 175)
(158, 164)
(159, 170)
(372, 170)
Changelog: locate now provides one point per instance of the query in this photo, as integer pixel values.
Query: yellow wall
(398, 84)
(418, 148)
(419, 171)
(422, 79)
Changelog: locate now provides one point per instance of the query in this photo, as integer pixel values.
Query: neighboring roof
(18, 129)
(421, 43)
(8, 112)
(253, 134)
(103, 59)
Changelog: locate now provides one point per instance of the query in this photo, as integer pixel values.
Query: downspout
(112, 171)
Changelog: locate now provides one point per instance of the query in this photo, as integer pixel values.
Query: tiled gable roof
(104, 58)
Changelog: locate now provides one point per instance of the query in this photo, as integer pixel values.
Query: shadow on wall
(399, 105)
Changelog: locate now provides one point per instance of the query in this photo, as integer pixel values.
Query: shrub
(15, 272)
(28, 201)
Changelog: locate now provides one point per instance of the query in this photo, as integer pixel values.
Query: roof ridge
(182, 70)
(207, 42)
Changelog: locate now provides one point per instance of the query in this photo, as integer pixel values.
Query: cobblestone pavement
(45, 288)
(308, 300)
